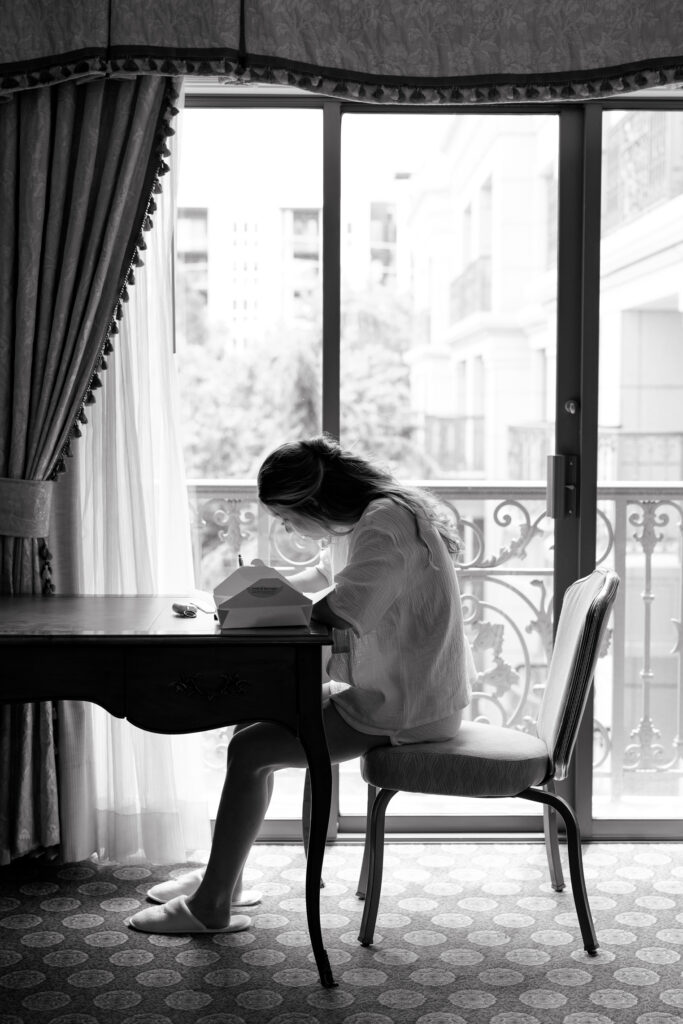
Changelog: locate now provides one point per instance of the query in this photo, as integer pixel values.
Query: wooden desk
(166, 674)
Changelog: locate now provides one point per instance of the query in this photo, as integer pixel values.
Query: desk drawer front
(186, 690)
(59, 671)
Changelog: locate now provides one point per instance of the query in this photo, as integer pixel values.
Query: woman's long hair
(319, 479)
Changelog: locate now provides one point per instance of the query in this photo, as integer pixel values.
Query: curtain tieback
(25, 507)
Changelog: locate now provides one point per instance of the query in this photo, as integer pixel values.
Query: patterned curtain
(378, 51)
(78, 166)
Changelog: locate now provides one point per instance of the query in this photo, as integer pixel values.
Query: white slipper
(248, 898)
(176, 918)
(188, 884)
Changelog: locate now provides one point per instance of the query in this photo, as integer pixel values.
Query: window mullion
(577, 380)
(588, 453)
(331, 265)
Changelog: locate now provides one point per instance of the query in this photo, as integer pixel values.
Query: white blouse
(405, 660)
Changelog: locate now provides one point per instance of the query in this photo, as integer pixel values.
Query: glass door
(248, 343)
(638, 714)
(448, 365)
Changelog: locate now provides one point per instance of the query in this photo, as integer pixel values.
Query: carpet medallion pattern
(466, 934)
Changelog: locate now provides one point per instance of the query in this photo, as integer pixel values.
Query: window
(414, 312)
(250, 369)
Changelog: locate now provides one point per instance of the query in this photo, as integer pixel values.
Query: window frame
(578, 304)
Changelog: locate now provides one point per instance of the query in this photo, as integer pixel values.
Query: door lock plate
(562, 493)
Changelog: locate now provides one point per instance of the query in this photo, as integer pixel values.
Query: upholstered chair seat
(483, 760)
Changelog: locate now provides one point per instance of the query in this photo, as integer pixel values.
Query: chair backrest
(578, 637)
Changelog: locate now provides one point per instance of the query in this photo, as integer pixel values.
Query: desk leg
(314, 742)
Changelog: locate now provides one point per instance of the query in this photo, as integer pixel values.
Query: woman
(400, 657)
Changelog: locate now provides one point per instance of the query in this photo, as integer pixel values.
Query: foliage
(237, 403)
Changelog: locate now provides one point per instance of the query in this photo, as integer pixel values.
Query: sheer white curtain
(141, 795)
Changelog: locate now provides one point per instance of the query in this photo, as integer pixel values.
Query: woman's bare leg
(253, 755)
(239, 884)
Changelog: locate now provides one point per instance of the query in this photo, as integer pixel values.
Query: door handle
(562, 491)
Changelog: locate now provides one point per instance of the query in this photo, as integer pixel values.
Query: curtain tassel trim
(45, 558)
(168, 112)
(239, 66)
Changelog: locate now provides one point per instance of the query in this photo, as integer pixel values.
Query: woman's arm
(323, 613)
(309, 580)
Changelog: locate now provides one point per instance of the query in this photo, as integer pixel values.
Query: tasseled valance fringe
(233, 66)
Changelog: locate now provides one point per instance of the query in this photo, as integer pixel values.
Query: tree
(238, 403)
(376, 413)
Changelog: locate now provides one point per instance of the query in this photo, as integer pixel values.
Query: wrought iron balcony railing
(456, 443)
(505, 571)
(622, 454)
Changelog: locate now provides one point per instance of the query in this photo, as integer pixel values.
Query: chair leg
(552, 846)
(590, 942)
(375, 864)
(363, 877)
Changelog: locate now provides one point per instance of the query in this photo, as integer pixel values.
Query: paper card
(258, 595)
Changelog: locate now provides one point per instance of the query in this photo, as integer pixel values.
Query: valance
(437, 51)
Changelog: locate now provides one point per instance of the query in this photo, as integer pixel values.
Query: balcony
(456, 443)
(505, 575)
(643, 165)
(471, 291)
(622, 454)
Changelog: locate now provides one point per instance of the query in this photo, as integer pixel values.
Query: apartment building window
(550, 200)
(301, 263)
(467, 241)
(485, 218)
(383, 241)
(192, 255)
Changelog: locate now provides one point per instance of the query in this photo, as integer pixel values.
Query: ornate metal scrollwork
(605, 532)
(230, 518)
(647, 753)
(543, 621)
(647, 520)
(517, 548)
(228, 684)
(504, 687)
(291, 548)
(505, 572)
(527, 531)
(602, 743)
(224, 525)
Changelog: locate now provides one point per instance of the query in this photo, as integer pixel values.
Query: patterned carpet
(467, 934)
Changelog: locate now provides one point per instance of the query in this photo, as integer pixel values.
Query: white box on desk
(257, 595)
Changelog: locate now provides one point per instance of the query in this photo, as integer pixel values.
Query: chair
(489, 761)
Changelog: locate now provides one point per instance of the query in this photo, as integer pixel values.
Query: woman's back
(406, 657)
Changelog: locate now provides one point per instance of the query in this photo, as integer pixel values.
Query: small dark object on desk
(185, 610)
